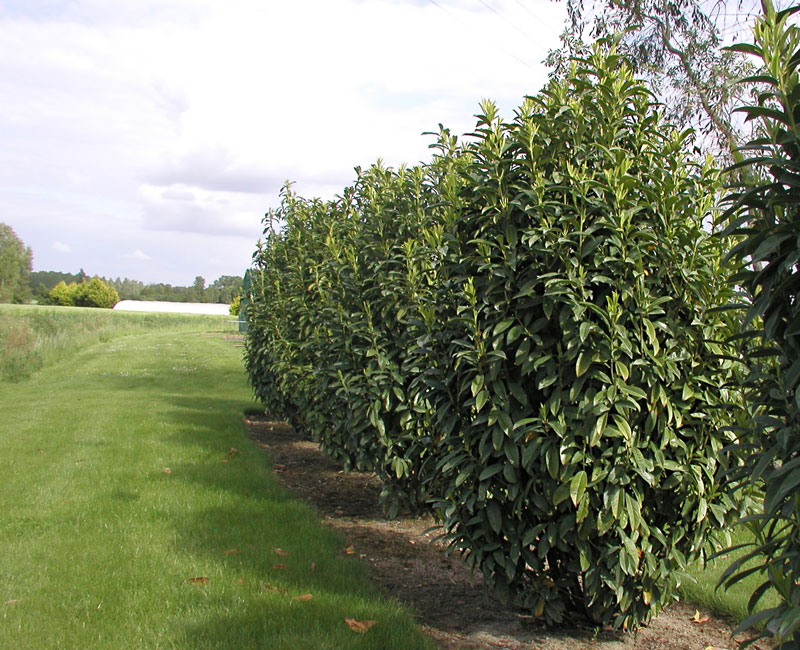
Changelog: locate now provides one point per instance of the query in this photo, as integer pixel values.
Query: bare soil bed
(450, 602)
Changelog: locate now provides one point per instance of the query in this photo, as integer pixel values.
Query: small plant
(20, 357)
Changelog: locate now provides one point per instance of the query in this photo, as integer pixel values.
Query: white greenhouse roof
(211, 309)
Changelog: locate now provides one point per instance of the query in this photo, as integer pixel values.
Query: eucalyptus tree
(678, 46)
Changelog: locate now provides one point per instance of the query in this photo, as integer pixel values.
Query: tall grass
(34, 337)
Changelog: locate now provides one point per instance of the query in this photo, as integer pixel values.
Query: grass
(33, 337)
(730, 603)
(100, 542)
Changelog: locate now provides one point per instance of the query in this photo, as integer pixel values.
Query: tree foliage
(16, 263)
(677, 46)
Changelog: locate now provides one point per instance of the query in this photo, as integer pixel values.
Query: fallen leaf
(349, 549)
(231, 551)
(200, 580)
(303, 597)
(233, 451)
(279, 566)
(240, 580)
(11, 602)
(697, 618)
(359, 626)
(280, 551)
(313, 566)
(223, 461)
(166, 470)
(264, 445)
(41, 451)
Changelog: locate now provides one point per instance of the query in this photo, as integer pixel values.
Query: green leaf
(561, 493)
(577, 487)
(494, 515)
(584, 361)
(490, 471)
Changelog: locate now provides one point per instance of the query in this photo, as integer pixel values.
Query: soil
(449, 600)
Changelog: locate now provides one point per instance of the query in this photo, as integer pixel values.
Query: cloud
(138, 255)
(216, 168)
(61, 247)
(176, 208)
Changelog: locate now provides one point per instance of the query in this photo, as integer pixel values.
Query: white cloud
(61, 247)
(138, 255)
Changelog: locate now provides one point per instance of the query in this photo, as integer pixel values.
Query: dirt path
(450, 602)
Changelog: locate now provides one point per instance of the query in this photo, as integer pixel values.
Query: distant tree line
(20, 284)
(223, 290)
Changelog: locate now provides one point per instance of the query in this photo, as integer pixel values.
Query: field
(32, 338)
(137, 513)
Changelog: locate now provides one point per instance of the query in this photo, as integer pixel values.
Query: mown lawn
(127, 474)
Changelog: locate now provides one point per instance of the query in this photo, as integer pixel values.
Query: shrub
(525, 334)
(338, 300)
(765, 212)
(94, 293)
(579, 401)
(234, 308)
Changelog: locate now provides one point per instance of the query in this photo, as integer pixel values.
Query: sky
(147, 138)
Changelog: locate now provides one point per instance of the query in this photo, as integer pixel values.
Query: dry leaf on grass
(280, 551)
(233, 451)
(166, 470)
(199, 580)
(313, 566)
(303, 597)
(279, 566)
(263, 444)
(697, 618)
(359, 626)
(11, 602)
(231, 551)
(349, 549)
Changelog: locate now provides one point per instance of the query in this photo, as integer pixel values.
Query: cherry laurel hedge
(522, 334)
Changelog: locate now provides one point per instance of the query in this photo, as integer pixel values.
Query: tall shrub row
(341, 292)
(524, 335)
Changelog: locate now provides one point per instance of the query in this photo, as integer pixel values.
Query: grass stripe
(99, 543)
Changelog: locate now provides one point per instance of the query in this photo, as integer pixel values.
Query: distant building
(207, 308)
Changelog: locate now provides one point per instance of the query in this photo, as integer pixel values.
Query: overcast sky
(147, 138)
